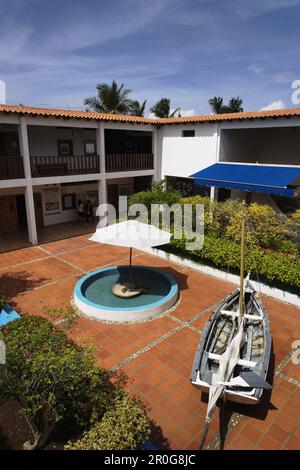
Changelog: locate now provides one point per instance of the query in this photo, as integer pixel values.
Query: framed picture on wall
(65, 147)
(93, 197)
(68, 201)
(51, 199)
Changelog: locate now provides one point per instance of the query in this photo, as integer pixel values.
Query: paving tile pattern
(156, 356)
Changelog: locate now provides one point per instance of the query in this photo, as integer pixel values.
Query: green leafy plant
(222, 253)
(64, 315)
(263, 226)
(123, 427)
(51, 377)
(158, 194)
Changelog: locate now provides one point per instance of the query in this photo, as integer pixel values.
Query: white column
(29, 200)
(30, 213)
(101, 146)
(156, 155)
(102, 196)
(213, 193)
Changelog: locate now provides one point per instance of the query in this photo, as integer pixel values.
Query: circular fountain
(94, 296)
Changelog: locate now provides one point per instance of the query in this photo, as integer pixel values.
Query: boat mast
(242, 265)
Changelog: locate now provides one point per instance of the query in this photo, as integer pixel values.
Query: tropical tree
(137, 109)
(111, 99)
(162, 109)
(235, 105)
(218, 106)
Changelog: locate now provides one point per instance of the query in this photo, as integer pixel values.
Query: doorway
(21, 212)
(113, 196)
(38, 208)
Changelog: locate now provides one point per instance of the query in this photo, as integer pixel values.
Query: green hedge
(274, 269)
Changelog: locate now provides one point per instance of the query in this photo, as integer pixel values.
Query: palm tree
(111, 99)
(162, 109)
(216, 104)
(235, 105)
(137, 109)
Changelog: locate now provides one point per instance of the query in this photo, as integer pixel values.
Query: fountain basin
(93, 294)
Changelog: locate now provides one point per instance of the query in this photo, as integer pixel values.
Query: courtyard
(155, 357)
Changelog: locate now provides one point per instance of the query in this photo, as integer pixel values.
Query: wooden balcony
(66, 165)
(11, 168)
(128, 162)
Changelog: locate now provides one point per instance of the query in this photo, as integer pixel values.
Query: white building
(49, 159)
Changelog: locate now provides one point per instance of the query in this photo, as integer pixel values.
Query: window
(90, 148)
(188, 133)
(65, 147)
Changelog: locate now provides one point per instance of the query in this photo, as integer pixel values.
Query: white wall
(183, 156)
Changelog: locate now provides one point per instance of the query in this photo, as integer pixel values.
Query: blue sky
(53, 53)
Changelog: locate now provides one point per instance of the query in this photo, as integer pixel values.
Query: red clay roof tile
(68, 114)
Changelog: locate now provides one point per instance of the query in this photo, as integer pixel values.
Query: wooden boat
(232, 359)
(253, 355)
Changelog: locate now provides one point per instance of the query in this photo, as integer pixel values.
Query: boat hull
(254, 356)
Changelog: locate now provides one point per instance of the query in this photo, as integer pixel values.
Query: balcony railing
(64, 165)
(11, 168)
(128, 162)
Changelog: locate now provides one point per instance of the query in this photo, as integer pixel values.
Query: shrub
(217, 215)
(225, 254)
(156, 195)
(263, 226)
(123, 427)
(50, 377)
(294, 227)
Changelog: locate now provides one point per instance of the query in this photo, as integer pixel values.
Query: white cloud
(283, 77)
(246, 9)
(279, 104)
(127, 20)
(187, 112)
(256, 69)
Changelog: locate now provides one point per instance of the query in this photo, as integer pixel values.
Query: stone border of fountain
(124, 315)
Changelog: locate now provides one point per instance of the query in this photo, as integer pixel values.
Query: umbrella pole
(130, 264)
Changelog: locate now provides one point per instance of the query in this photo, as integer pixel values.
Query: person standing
(81, 210)
(88, 211)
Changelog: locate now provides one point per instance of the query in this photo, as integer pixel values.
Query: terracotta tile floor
(164, 348)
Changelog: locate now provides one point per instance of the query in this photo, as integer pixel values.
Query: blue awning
(279, 180)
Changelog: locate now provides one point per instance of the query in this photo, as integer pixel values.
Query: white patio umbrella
(133, 234)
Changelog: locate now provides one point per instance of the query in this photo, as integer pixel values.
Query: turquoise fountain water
(93, 294)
